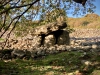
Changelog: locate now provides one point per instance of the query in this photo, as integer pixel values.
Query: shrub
(85, 23)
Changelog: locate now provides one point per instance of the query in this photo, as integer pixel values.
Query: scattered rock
(94, 46)
(18, 53)
(87, 63)
(64, 38)
(49, 41)
(36, 42)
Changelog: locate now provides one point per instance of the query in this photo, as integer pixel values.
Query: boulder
(49, 40)
(18, 53)
(36, 42)
(64, 38)
(46, 29)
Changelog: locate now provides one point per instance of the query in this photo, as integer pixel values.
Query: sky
(97, 3)
(97, 10)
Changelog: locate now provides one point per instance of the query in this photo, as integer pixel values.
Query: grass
(1, 39)
(55, 64)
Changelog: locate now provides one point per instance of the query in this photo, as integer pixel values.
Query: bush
(85, 23)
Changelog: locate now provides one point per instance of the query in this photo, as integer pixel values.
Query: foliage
(85, 23)
(14, 11)
(56, 15)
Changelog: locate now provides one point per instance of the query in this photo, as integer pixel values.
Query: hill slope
(88, 21)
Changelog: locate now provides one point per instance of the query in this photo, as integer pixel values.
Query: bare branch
(4, 21)
(18, 18)
(18, 7)
(5, 3)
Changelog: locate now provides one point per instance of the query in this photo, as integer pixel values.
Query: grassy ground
(65, 63)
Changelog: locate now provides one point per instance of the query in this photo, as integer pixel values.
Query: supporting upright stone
(49, 40)
(64, 38)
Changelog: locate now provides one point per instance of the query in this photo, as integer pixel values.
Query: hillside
(88, 21)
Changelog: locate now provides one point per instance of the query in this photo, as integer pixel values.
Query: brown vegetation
(88, 21)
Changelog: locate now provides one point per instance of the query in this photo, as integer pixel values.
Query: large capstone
(46, 29)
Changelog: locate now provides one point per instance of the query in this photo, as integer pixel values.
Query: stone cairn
(43, 40)
(51, 34)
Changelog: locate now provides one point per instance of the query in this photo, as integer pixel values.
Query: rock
(59, 37)
(86, 48)
(87, 63)
(46, 35)
(46, 29)
(36, 42)
(64, 38)
(70, 74)
(52, 48)
(78, 73)
(33, 53)
(49, 40)
(50, 73)
(51, 34)
(18, 53)
(68, 48)
(61, 48)
(94, 46)
(5, 54)
(72, 42)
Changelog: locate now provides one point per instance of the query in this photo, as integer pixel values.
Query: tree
(81, 1)
(13, 11)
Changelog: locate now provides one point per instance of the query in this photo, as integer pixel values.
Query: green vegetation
(55, 64)
(12, 12)
(85, 23)
(1, 39)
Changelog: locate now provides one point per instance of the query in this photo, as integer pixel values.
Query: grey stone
(46, 29)
(49, 40)
(18, 53)
(64, 38)
(36, 42)
(33, 53)
(94, 46)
